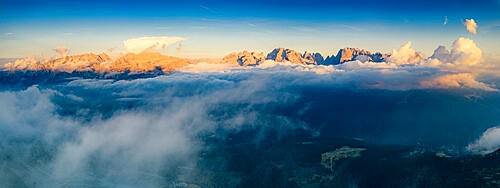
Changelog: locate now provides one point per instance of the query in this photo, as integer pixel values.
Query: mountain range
(246, 58)
(149, 61)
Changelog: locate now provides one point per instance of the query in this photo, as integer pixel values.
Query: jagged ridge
(146, 61)
(246, 58)
(150, 61)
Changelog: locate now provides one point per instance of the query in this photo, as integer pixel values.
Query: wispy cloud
(199, 27)
(161, 28)
(179, 47)
(63, 51)
(345, 26)
(305, 29)
(208, 9)
(490, 26)
(6, 34)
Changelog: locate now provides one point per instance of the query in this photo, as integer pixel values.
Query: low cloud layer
(487, 143)
(456, 81)
(471, 26)
(139, 128)
(127, 132)
(141, 44)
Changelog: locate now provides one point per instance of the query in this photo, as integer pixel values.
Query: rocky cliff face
(146, 61)
(79, 62)
(68, 63)
(294, 57)
(350, 54)
(150, 61)
(245, 58)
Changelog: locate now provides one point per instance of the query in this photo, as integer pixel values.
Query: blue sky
(215, 28)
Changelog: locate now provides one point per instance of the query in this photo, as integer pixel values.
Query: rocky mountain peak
(145, 61)
(67, 63)
(151, 61)
(245, 58)
(294, 57)
(351, 54)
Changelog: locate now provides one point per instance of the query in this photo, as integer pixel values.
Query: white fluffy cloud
(141, 44)
(489, 142)
(471, 26)
(463, 52)
(405, 55)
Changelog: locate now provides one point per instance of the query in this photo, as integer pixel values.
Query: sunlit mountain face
(249, 94)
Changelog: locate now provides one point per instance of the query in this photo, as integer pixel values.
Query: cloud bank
(141, 44)
(115, 133)
(456, 81)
